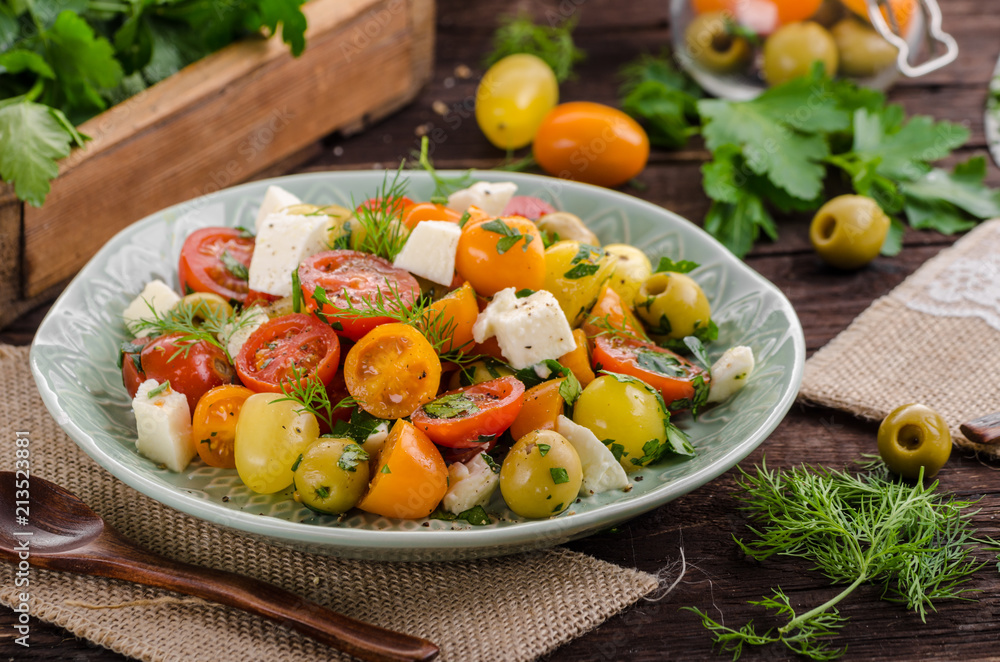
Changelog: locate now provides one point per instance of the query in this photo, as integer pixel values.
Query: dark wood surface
(702, 523)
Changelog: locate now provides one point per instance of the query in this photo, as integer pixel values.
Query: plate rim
(339, 541)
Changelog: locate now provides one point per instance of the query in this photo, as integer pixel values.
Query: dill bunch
(553, 43)
(915, 543)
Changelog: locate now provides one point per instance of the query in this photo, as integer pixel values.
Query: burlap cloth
(511, 608)
(934, 339)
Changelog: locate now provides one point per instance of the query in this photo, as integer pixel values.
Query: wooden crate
(219, 122)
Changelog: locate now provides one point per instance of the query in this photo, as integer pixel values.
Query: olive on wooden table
(912, 437)
(848, 231)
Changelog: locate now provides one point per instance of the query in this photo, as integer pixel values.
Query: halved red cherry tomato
(191, 368)
(285, 345)
(132, 374)
(209, 262)
(469, 416)
(669, 373)
(527, 206)
(392, 371)
(213, 426)
(262, 298)
(453, 455)
(358, 278)
(428, 211)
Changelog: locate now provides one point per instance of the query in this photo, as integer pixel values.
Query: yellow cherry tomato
(590, 142)
(270, 436)
(500, 253)
(513, 98)
(574, 274)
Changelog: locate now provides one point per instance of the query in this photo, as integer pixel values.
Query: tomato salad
(411, 358)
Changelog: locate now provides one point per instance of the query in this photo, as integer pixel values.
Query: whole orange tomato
(590, 142)
(787, 11)
(903, 10)
(500, 253)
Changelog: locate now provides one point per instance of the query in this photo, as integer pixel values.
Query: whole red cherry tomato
(191, 368)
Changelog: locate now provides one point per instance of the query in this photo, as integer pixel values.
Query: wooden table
(702, 523)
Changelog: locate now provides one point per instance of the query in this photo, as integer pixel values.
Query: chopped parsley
(475, 516)
(559, 475)
(680, 266)
(455, 405)
(351, 457)
(543, 449)
(509, 236)
(234, 266)
(385, 470)
(494, 467)
(162, 388)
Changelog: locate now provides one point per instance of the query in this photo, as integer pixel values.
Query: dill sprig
(916, 544)
(553, 44)
(380, 220)
(612, 330)
(310, 394)
(195, 324)
(443, 186)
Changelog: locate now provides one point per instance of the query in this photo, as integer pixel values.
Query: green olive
(541, 475)
(863, 52)
(626, 415)
(712, 44)
(672, 305)
(631, 270)
(914, 437)
(563, 225)
(203, 305)
(848, 231)
(574, 274)
(791, 51)
(331, 476)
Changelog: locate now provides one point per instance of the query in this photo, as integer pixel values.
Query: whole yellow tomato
(591, 143)
(513, 98)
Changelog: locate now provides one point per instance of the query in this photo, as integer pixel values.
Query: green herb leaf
(522, 294)
(680, 266)
(32, 138)
(618, 450)
(296, 292)
(237, 268)
(454, 405)
(159, 390)
(552, 43)
(475, 516)
(662, 99)
(385, 470)
(351, 457)
(659, 362)
(559, 475)
(494, 467)
(361, 426)
(543, 449)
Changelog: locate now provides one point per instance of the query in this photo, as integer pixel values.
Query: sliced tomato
(469, 416)
(285, 345)
(611, 316)
(669, 373)
(397, 207)
(191, 368)
(528, 206)
(428, 211)
(260, 298)
(358, 278)
(132, 374)
(453, 455)
(213, 426)
(216, 260)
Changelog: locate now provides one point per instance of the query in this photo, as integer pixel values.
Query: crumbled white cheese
(429, 251)
(601, 471)
(157, 294)
(163, 423)
(236, 333)
(471, 484)
(275, 199)
(730, 373)
(491, 197)
(374, 442)
(283, 241)
(528, 330)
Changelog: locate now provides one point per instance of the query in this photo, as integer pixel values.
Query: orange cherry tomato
(542, 405)
(392, 370)
(578, 360)
(610, 315)
(470, 416)
(591, 143)
(396, 207)
(500, 253)
(788, 11)
(669, 373)
(453, 315)
(214, 425)
(428, 211)
(411, 478)
(902, 9)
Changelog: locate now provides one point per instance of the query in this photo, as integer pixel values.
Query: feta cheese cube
(471, 484)
(236, 333)
(275, 199)
(528, 330)
(601, 471)
(163, 423)
(430, 250)
(374, 442)
(282, 243)
(491, 197)
(157, 294)
(730, 373)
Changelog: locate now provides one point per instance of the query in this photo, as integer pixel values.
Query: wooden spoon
(62, 533)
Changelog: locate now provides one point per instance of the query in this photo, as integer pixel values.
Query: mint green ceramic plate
(75, 353)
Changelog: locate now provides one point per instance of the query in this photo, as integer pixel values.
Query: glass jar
(735, 48)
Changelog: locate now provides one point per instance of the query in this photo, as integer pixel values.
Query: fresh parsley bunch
(780, 151)
(552, 43)
(64, 61)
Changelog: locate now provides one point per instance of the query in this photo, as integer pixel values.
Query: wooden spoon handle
(115, 557)
(985, 430)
